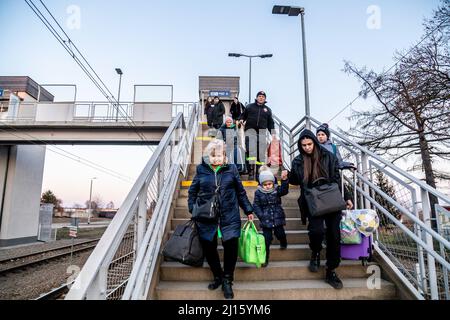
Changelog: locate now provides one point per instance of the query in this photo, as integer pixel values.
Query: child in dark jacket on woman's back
(267, 206)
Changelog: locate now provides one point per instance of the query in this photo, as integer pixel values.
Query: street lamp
(119, 72)
(295, 11)
(90, 198)
(237, 55)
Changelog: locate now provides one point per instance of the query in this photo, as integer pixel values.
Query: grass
(85, 233)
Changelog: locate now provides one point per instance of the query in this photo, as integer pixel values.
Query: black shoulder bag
(207, 206)
(323, 199)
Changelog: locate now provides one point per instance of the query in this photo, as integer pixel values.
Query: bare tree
(412, 116)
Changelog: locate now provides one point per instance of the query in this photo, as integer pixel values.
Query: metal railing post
(432, 277)
(365, 173)
(420, 252)
(97, 290)
(141, 217)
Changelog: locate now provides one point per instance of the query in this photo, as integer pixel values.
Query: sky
(175, 42)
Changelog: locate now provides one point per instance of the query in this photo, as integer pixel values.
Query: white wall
(55, 112)
(152, 112)
(20, 214)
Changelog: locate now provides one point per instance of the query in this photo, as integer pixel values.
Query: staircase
(412, 258)
(287, 275)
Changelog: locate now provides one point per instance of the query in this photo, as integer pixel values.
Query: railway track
(21, 262)
(56, 294)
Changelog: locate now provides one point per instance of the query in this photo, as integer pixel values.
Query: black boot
(227, 287)
(251, 172)
(265, 264)
(283, 244)
(215, 284)
(333, 280)
(314, 263)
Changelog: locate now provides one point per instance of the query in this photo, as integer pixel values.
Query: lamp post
(90, 199)
(296, 11)
(237, 55)
(119, 72)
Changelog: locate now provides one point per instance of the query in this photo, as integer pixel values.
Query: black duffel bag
(324, 198)
(184, 245)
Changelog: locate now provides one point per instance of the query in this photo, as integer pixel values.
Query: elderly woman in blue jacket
(215, 169)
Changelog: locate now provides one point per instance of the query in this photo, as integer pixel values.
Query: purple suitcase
(362, 251)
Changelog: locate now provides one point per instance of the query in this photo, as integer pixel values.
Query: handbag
(252, 245)
(207, 206)
(184, 245)
(324, 199)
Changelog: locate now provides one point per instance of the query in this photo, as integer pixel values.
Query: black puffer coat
(329, 164)
(268, 207)
(215, 116)
(232, 196)
(257, 116)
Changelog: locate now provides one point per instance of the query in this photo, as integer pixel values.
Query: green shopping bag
(252, 245)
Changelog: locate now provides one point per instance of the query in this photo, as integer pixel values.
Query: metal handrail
(141, 275)
(424, 236)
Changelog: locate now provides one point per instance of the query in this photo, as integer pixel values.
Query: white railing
(138, 223)
(91, 111)
(407, 239)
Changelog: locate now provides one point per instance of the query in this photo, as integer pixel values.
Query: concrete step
(291, 223)
(277, 290)
(294, 252)
(290, 212)
(182, 201)
(276, 270)
(293, 237)
(293, 195)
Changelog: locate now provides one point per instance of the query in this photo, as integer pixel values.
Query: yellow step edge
(204, 138)
(203, 122)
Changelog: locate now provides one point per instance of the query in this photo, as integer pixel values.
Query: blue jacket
(268, 207)
(232, 196)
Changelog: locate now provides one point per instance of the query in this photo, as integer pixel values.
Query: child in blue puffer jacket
(267, 206)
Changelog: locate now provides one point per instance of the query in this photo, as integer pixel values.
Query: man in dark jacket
(319, 163)
(217, 113)
(257, 118)
(236, 109)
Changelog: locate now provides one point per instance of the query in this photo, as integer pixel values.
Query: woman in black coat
(215, 170)
(313, 162)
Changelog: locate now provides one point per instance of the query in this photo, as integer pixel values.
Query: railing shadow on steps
(121, 265)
